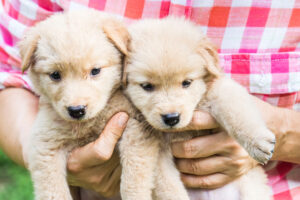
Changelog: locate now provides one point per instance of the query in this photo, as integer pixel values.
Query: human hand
(96, 166)
(210, 161)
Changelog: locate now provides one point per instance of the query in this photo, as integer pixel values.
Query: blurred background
(15, 182)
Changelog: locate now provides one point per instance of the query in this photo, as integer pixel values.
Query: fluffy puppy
(171, 70)
(74, 62)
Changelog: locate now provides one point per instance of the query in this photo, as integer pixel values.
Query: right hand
(96, 166)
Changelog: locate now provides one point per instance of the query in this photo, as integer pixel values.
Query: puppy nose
(76, 112)
(171, 119)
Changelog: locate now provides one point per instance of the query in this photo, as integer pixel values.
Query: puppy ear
(118, 34)
(209, 53)
(28, 46)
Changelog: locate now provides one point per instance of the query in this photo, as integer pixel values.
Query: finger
(202, 120)
(110, 136)
(111, 184)
(203, 146)
(208, 182)
(100, 150)
(206, 166)
(93, 176)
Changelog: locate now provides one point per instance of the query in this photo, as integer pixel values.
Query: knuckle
(74, 167)
(204, 183)
(101, 153)
(103, 156)
(188, 149)
(115, 133)
(233, 146)
(193, 167)
(238, 164)
(241, 169)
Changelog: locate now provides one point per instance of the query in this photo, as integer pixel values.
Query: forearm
(18, 109)
(285, 124)
(288, 146)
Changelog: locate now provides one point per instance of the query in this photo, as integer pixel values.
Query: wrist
(287, 136)
(285, 124)
(279, 126)
(274, 117)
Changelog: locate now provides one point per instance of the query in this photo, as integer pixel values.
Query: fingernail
(122, 120)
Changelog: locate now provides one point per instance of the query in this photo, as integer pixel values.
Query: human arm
(217, 159)
(18, 109)
(285, 124)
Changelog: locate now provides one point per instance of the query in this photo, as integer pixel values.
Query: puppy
(171, 70)
(74, 62)
(76, 73)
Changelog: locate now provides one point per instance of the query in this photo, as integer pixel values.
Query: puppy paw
(262, 146)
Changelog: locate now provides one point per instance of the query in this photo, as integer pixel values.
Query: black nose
(76, 112)
(171, 119)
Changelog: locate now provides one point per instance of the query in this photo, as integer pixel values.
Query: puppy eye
(147, 86)
(95, 71)
(186, 83)
(55, 76)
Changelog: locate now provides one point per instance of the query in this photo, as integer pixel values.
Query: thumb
(111, 134)
(100, 150)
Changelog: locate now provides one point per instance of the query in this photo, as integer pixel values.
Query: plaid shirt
(259, 46)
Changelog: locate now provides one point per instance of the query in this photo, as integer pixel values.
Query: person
(259, 48)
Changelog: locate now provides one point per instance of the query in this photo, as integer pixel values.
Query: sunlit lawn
(15, 183)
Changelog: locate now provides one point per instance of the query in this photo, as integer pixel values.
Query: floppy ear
(118, 34)
(211, 57)
(28, 46)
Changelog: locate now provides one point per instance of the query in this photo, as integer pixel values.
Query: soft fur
(165, 53)
(168, 52)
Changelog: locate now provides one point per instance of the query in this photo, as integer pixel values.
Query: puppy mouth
(169, 129)
(165, 128)
(67, 117)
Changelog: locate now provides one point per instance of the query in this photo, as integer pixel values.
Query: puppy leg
(168, 185)
(139, 153)
(235, 110)
(253, 185)
(48, 172)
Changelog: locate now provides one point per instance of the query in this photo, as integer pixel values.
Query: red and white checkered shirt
(259, 46)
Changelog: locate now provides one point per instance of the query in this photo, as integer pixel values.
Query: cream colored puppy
(74, 62)
(171, 70)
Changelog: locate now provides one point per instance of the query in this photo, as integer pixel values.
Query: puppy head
(74, 61)
(167, 70)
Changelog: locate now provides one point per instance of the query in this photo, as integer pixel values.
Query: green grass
(15, 182)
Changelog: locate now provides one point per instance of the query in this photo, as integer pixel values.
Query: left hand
(96, 166)
(210, 161)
